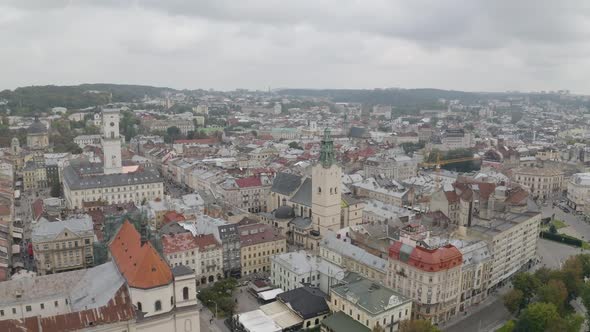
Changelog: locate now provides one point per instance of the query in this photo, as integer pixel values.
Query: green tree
(527, 283)
(554, 292)
(537, 317)
(552, 229)
(514, 301)
(295, 145)
(417, 325)
(508, 327)
(572, 273)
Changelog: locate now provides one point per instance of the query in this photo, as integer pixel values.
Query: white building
(578, 191)
(297, 269)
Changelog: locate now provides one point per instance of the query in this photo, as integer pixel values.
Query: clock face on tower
(112, 124)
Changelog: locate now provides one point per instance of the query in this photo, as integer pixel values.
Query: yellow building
(34, 176)
(63, 245)
(259, 242)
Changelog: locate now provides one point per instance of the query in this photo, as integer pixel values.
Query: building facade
(578, 189)
(258, 243)
(543, 183)
(63, 245)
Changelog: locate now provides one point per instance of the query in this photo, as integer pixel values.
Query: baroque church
(303, 208)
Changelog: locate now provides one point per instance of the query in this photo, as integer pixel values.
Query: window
(171, 301)
(158, 306)
(1, 312)
(56, 304)
(14, 311)
(139, 306)
(28, 308)
(185, 293)
(42, 305)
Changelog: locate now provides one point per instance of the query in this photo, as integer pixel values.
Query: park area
(218, 297)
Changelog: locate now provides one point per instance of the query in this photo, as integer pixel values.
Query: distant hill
(33, 99)
(396, 97)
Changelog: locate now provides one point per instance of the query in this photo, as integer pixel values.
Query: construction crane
(440, 163)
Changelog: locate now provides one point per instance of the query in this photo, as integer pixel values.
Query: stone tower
(111, 141)
(325, 198)
(15, 146)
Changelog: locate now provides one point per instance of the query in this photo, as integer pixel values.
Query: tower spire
(327, 149)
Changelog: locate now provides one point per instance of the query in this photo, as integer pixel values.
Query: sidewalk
(491, 299)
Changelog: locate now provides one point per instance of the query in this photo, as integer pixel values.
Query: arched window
(317, 321)
(319, 190)
(158, 305)
(330, 191)
(185, 293)
(139, 306)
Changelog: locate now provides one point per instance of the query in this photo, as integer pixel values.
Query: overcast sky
(487, 45)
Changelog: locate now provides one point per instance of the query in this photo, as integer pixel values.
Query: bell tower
(326, 179)
(111, 141)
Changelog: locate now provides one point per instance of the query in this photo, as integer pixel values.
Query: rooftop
(139, 263)
(341, 322)
(369, 296)
(47, 231)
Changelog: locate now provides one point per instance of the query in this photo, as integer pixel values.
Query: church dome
(37, 127)
(284, 212)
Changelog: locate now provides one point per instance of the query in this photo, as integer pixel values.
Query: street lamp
(215, 306)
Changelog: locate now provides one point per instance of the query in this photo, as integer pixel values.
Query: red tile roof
(180, 242)
(206, 241)
(118, 309)
(429, 260)
(196, 141)
(251, 181)
(451, 196)
(257, 233)
(140, 264)
(173, 216)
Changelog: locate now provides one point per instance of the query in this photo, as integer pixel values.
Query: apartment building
(430, 277)
(248, 193)
(292, 270)
(512, 239)
(63, 245)
(34, 176)
(398, 167)
(200, 253)
(578, 191)
(341, 252)
(258, 243)
(543, 183)
(369, 303)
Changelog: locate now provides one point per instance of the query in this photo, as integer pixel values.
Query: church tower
(111, 141)
(326, 179)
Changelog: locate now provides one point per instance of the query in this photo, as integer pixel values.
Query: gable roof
(303, 195)
(140, 264)
(286, 183)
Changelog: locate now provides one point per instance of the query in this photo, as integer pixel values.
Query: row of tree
(540, 301)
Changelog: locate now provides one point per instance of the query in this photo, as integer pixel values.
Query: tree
(508, 327)
(514, 301)
(537, 317)
(554, 292)
(295, 145)
(527, 283)
(172, 133)
(418, 325)
(552, 229)
(572, 273)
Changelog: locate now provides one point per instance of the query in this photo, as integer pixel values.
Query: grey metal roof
(86, 289)
(303, 195)
(47, 231)
(181, 270)
(93, 177)
(284, 212)
(369, 296)
(286, 183)
(353, 252)
(37, 127)
(307, 301)
(301, 223)
(341, 322)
